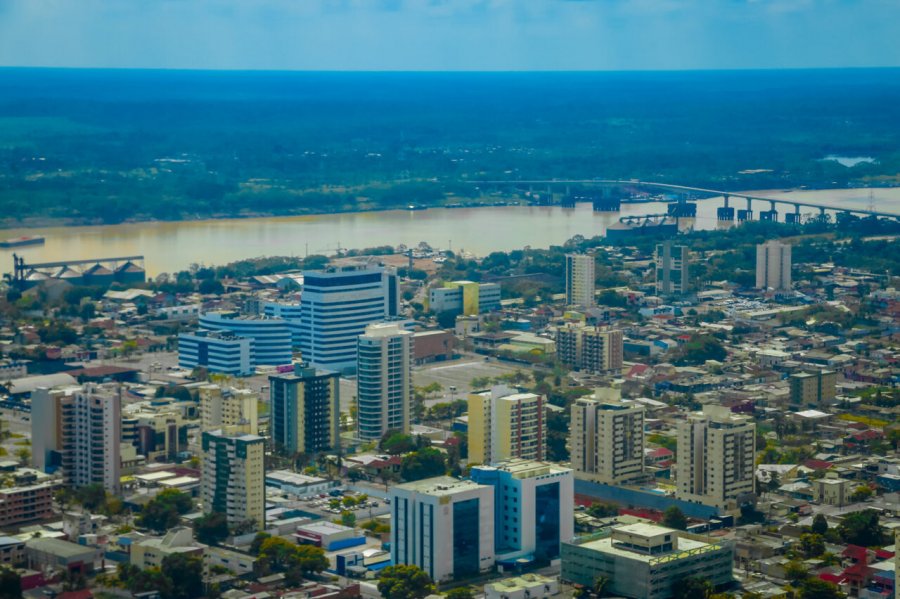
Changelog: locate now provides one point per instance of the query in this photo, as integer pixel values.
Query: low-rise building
(58, 554)
(151, 552)
(527, 586)
(645, 560)
(832, 490)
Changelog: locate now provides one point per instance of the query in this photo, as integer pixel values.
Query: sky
(480, 35)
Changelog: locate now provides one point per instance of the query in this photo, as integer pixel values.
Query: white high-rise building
(337, 306)
(716, 458)
(672, 269)
(443, 525)
(607, 438)
(773, 266)
(384, 380)
(505, 424)
(580, 280)
(233, 477)
(234, 410)
(79, 429)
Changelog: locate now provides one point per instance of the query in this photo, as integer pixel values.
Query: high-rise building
(384, 380)
(533, 507)
(233, 477)
(234, 410)
(443, 525)
(505, 424)
(672, 269)
(288, 312)
(464, 297)
(79, 430)
(813, 389)
(716, 458)
(580, 280)
(589, 348)
(305, 410)
(217, 351)
(271, 336)
(773, 266)
(337, 306)
(607, 438)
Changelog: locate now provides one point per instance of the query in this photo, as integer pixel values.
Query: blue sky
(450, 34)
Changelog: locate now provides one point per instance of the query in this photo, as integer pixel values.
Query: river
(173, 246)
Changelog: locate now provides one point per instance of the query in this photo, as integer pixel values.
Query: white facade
(580, 280)
(337, 306)
(607, 439)
(672, 269)
(773, 266)
(216, 351)
(443, 525)
(384, 380)
(271, 336)
(716, 458)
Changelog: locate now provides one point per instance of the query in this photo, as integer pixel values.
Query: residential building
(533, 507)
(219, 352)
(832, 490)
(30, 498)
(157, 432)
(305, 410)
(505, 424)
(716, 458)
(589, 348)
(338, 304)
(231, 409)
(813, 389)
(79, 430)
(384, 380)
(580, 280)
(443, 525)
(271, 336)
(672, 269)
(606, 438)
(645, 560)
(233, 476)
(464, 297)
(773, 266)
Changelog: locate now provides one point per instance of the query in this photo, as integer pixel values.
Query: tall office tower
(589, 348)
(271, 336)
(232, 478)
(505, 424)
(533, 507)
(773, 266)
(715, 458)
(813, 389)
(580, 280)
(79, 429)
(289, 313)
(672, 269)
(337, 306)
(384, 380)
(607, 439)
(234, 410)
(443, 525)
(305, 410)
(464, 297)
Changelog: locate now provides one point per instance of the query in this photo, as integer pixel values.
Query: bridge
(724, 213)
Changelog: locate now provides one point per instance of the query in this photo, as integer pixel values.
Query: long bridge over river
(684, 207)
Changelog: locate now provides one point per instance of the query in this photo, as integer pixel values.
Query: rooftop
(440, 486)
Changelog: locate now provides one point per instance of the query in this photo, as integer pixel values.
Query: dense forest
(107, 146)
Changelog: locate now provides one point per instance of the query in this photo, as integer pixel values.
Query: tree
(164, 510)
(460, 593)
(92, 497)
(211, 528)
(258, 540)
(816, 588)
(446, 319)
(10, 583)
(861, 493)
(795, 572)
(186, 573)
(348, 518)
(673, 517)
(424, 463)
(280, 555)
(209, 286)
(819, 524)
(692, 588)
(861, 528)
(404, 582)
(603, 510)
(812, 545)
(396, 442)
